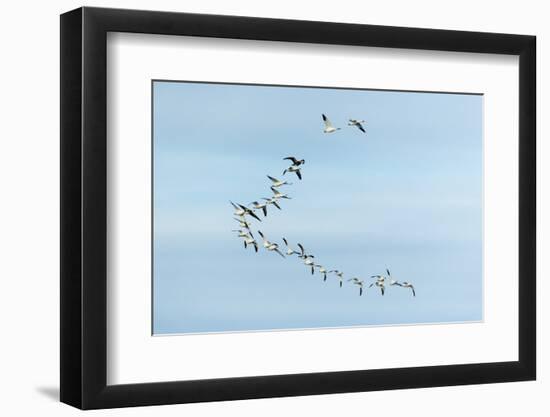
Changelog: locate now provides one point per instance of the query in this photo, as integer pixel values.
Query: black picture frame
(84, 207)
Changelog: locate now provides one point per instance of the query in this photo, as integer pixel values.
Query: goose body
(295, 169)
(277, 183)
(406, 284)
(272, 201)
(270, 246)
(289, 250)
(339, 274)
(308, 259)
(322, 270)
(249, 240)
(260, 206)
(242, 222)
(241, 232)
(242, 211)
(357, 123)
(380, 283)
(359, 283)
(329, 128)
(278, 195)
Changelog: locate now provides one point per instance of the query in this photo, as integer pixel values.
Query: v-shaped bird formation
(244, 215)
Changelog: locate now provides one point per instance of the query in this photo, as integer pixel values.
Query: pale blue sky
(407, 195)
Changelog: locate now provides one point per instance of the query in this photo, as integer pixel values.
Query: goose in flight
(278, 183)
(308, 259)
(359, 282)
(278, 195)
(241, 210)
(406, 284)
(273, 201)
(267, 243)
(339, 274)
(295, 169)
(380, 283)
(303, 253)
(249, 240)
(390, 278)
(322, 270)
(242, 233)
(289, 250)
(295, 162)
(260, 206)
(354, 122)
(270, 246)
(329, 128)
(243, 223)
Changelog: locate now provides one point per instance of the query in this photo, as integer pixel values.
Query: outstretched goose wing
(254, 215)
(327, 122)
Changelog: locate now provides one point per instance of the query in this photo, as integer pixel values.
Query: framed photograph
(259, 208)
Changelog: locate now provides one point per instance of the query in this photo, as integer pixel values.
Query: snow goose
(295, 161)
(241, 232)
(272, 201)
(358, 282)
(278, 183)
(249, 240)
(308, 259)
(241, 210)
(380, 283)
(322, 270)
(260, 206)
(289, 250)
(242, 222)
(277, 195)
(295, 169)
(390, 278)
(339, 274)
(329, 128)
(354, 122)
(270, 246)
(406, 284)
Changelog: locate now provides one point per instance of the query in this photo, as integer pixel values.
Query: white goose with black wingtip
(277, 195)
(270, 246)
(260, 206)
(329, 128)
(249, 240)
(308, 259)
(295, 169)
(359, 282)
(289, 250)
(406, 284)
(277, 183)
(241, 210)
(322, 270)
(339, 274)
(272, 201)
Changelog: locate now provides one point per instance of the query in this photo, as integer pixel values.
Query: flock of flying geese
(242, 214)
